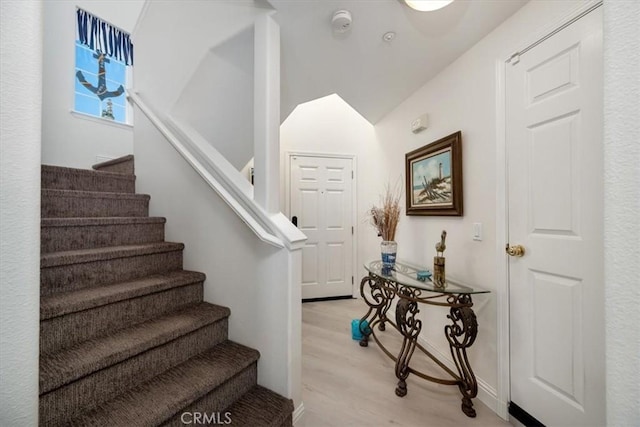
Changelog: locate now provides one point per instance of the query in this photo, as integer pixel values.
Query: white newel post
(267, 114)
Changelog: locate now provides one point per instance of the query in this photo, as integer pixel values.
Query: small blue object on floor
(423, 275)
(355, 329)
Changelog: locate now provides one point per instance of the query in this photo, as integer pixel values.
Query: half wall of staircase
(258, 280)
(233, 232)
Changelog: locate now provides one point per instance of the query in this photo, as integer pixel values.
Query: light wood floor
(348, 385)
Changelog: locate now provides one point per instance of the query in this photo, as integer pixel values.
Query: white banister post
(266, 114)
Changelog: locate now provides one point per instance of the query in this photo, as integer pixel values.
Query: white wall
(20, 114)
(68, 139)
(622, 209)
(255, 280)
(184, 31)
(218, 99)
(329, 125)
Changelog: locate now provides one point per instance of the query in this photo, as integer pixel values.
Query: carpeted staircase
(125, 337)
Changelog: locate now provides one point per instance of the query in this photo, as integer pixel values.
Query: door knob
(515, 250)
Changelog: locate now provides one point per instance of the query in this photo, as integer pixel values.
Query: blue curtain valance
(102, 36)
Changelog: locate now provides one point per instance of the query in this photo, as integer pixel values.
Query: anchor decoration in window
(100, 90)
(103, 54)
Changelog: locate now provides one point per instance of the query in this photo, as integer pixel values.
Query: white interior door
(555, 190)
(321, 200)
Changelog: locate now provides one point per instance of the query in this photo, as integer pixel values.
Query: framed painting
(434, 178)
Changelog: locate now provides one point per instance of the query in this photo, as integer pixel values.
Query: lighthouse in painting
(440, 170)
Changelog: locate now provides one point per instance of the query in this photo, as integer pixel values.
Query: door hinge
(352, 230)
(515, 58)
(351, 174)
(352, 281)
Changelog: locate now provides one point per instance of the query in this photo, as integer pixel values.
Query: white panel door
(321, 199)
(555, 191)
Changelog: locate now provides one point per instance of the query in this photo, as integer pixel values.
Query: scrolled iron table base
(460, 333)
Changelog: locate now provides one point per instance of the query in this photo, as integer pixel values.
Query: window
(103, 53)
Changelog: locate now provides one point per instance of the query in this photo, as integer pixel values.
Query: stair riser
(69, 179)
(67, 238)
(88, 392)
(219, 399)
(64, 331)
(56, 206)
(77, 276)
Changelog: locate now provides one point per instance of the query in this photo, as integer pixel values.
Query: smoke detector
(341, 21)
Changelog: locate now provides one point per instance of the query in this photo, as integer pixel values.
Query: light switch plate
(477, 231)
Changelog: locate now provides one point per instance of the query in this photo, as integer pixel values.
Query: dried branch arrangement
(385, 218)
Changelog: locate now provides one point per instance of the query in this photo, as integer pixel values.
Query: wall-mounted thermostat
(419, 124)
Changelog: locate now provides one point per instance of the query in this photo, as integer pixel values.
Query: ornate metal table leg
(376, 302)
(410, 326)
(383, 313)
(461, 334)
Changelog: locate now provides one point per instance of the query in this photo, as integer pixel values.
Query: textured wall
(622, 209)
(21, 79)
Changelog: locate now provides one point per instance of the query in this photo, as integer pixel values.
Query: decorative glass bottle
(389, 249)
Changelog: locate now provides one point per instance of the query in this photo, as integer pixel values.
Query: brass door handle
(516, 250)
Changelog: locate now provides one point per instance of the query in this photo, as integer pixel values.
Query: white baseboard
(486, 393)
(297, 415)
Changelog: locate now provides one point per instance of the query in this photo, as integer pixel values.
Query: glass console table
(401, 283)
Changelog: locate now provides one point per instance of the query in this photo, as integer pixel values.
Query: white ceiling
(372, 75)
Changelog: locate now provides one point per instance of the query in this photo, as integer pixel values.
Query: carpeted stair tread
(84, 299)
(92, 221)
(260, 407)
(57, 369)
(64, 178)
(87, 172)
(159, 399)
(66, 331)
(93, 194)
(54, 259)
(65, 234)
(121, 165)
(74, 203)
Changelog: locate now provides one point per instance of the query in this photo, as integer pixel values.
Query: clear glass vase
(389, 249)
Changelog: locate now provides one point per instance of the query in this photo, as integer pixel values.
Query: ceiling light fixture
(427, 5)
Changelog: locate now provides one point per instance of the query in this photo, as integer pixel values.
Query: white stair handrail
(214, 169)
